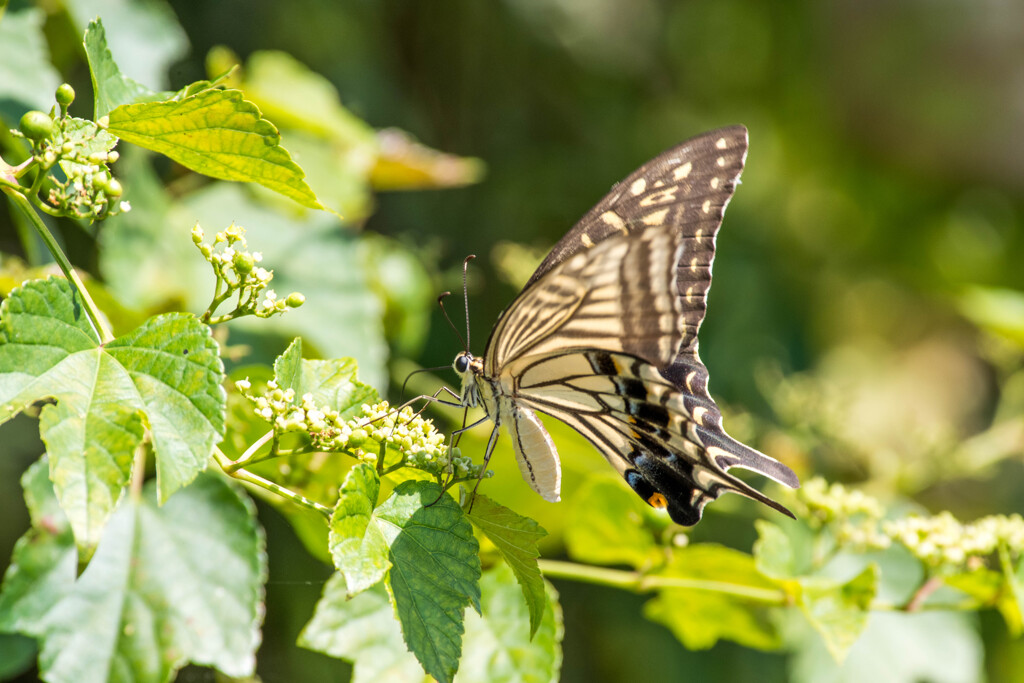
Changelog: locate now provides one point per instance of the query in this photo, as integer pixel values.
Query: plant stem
(640, 583)
(256, 480)
(91, 309)
(250, 453)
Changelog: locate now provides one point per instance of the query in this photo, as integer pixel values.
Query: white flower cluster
(943, 541)
(417, 438)
(853, 514)
(414, 438)
(237, 269)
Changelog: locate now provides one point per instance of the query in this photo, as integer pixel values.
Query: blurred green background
(867, 317)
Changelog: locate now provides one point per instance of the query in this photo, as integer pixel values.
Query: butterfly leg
(487, 459)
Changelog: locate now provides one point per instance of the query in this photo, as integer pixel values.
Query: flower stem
(256, 480)
(641, 583)
(91, 310)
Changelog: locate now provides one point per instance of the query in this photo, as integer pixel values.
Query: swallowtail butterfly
(604, 338)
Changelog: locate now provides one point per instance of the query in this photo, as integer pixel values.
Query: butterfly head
(469, 368)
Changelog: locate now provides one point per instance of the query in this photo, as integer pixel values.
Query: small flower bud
(243, 263)
(65, 94)
(35, 125)
(294, 300)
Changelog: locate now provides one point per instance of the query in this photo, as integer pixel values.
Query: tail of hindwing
(664, 437)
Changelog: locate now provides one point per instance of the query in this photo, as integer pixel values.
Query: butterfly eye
(461, 363)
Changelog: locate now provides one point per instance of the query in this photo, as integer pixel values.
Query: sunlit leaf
(516, 539)
(111, 88)
(740, 611)
(145, 37)
(1000, 311)
(404, 164)
(168, 370)
(361, 630)
(939, 647)
(839, 611)
(357, 541)
(499, 646)
(216, 133)
(606, 525)
(330, 382)
(168, 585)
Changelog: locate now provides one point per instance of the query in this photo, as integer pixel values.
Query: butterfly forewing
(683, 190)
(604, 335)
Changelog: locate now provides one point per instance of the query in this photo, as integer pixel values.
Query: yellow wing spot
(682, 171)
(666, 195)
(699, 235)
(657, 501)
(721, 143)
(655, 217)
(715, 182)
(614, 220)
(587, 242)
(693, 264)
(706, 206)
(689, 381)
(720, 161)
(698, 415)
(659, 183)
(638, 186)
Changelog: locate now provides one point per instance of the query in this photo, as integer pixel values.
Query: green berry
(35, 125)
(294, 300)
(65, 95)
(113, 188)
(243, 262)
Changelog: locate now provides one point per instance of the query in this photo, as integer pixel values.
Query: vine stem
(640, 583)
(101, 329)
(248, 477)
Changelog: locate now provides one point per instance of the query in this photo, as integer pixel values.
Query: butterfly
(604, 338)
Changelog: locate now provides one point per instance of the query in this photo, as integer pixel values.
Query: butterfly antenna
(401, 396)
(440, 302)
(465, 294)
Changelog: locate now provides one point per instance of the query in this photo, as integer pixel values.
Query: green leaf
(606, 525)
(516, 538)
(361, 630)
(26, 74)
(783, 550)
(168, 371)
(145, 36)
(499, 648)
(741, 611)
(435, 572)
(168, 585)
(331, 382)
(219, 134)
(839, 611)
(938, 647)
(357, 541)
(110, 87)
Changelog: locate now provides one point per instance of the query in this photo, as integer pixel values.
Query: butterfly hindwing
(669, 446)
